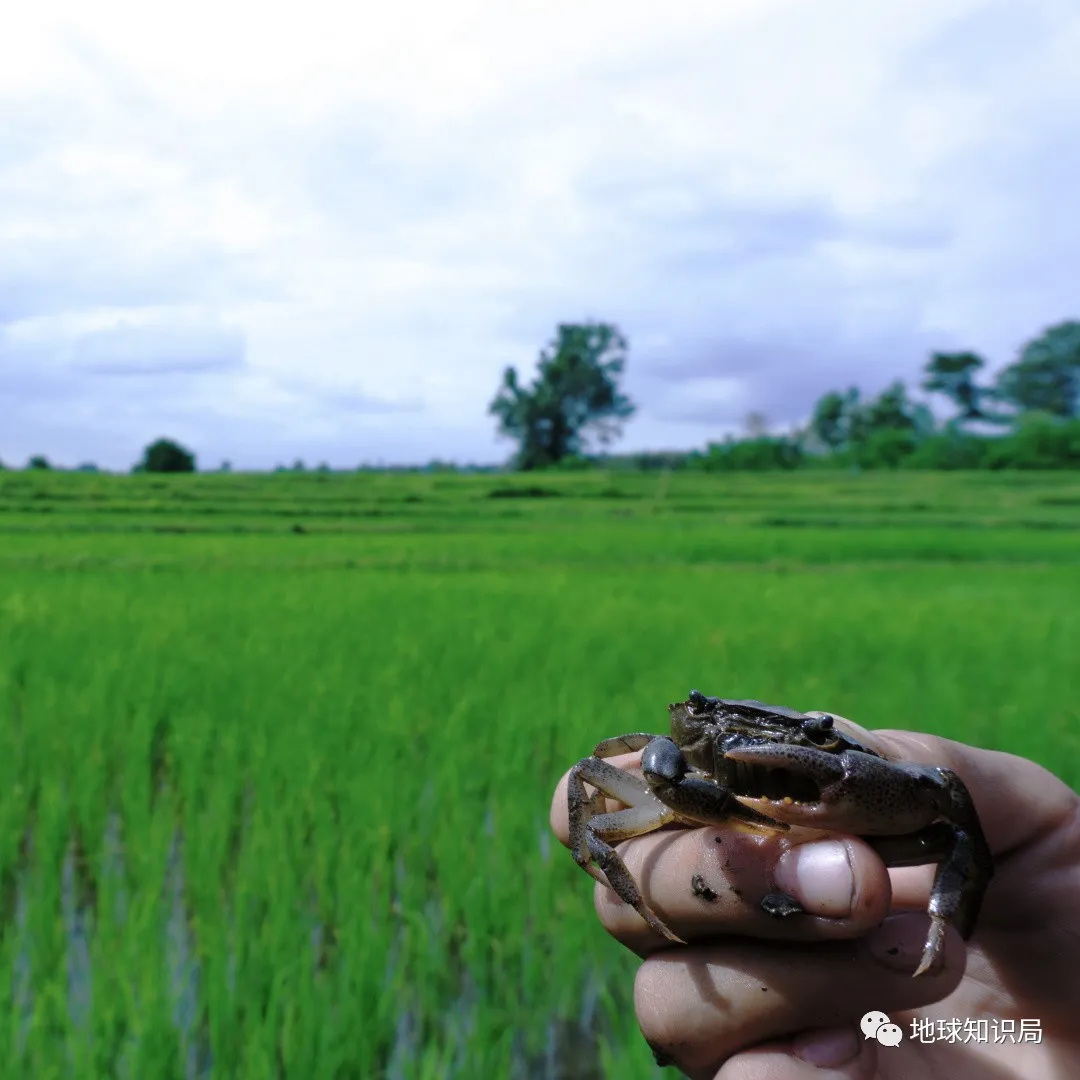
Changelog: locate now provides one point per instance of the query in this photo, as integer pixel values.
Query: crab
(771, 767)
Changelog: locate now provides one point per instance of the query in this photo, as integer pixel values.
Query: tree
(38, 461)
(833, 415)
(876, 432)
(166, 456)
(953, 374)
(891, 410)
(887, 429)
(574, 396)
(1046, 376)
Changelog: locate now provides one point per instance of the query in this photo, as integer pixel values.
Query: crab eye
(820, 729)
(697, 700)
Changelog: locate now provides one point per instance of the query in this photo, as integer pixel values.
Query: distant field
(277, 751)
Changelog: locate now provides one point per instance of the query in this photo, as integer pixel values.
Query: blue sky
(321, 230)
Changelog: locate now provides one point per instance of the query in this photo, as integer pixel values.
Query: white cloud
(327, 227)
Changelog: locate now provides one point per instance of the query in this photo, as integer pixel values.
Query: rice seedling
(275, 803)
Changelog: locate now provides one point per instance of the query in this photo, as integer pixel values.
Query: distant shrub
(532, 491)
(166, 456)
(951, 449)
(38, 461)
(573, 463)
(885, 448)
(1039, 441)
(87, 467)
(760, 454)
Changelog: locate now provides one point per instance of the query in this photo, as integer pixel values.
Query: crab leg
(962, 876)
(623, 744)
(592, 834)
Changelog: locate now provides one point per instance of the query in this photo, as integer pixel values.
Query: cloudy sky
(322, 229)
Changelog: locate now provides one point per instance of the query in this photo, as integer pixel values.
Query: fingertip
(558, 816)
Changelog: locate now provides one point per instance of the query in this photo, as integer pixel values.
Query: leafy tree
(874, 433)
(891, 410)
(844, 421)
(953, 374)
(38, 461)
(166, 456)
(575, 394)
(831, 422)
(1046, 376)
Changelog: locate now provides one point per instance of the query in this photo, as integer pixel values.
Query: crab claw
(848, 791)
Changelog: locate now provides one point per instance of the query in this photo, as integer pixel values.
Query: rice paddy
(276, 752)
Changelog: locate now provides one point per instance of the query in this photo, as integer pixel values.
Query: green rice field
(277, 751)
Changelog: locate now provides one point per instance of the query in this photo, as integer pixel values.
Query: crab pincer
(922, 813)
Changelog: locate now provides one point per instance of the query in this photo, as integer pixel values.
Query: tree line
(574, 408)
(1028, 417)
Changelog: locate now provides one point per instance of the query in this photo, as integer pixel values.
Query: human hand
(752, 996)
